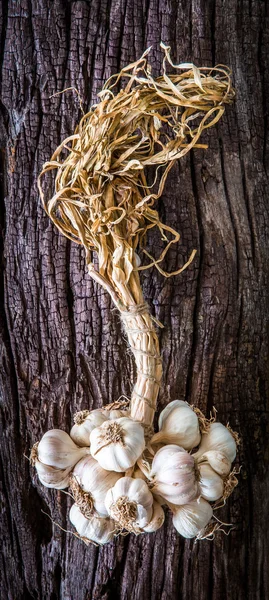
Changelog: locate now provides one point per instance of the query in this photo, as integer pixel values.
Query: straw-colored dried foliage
(102, 198)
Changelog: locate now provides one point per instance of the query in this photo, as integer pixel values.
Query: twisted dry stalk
(103, 201)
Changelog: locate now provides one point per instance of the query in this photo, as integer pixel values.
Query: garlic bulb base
(124, 512)
(130, 504)
(117, 444)
(80, 417)
(83, 500)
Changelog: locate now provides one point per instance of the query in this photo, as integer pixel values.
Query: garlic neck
(144, 343)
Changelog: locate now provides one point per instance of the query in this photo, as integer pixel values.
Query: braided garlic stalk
(118, 474)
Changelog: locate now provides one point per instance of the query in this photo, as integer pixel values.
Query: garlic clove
(57, 449)
(217, 461)
(52, 477)
(157, 519)
(178, 424)
(191, 518)
(130, 504)
(116, 413)
(95, 529)
(173, 475)
(96, 481)
(117, 444)
(218, 438)
(85, 422)
(211, 484)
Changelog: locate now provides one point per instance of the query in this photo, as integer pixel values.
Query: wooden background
(62, 347)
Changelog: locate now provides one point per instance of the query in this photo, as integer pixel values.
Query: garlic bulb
(94, 480)
(95, 529)
(210, 484)
(217, 461)
(192, 517)
(157, 518)
(130, 503)
(178, 424)
(173, 475)
(85, 422)
(218, 438)
(117, 444)
(52, 477)
(57, 449)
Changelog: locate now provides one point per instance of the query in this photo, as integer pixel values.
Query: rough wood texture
(62, 347)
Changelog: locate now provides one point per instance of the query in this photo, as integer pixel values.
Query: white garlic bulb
(191, 518)
(52, 477)
(95, 529)
(218, 438)
(94, 480)
(85, 422)
(210, 484)
(117, 444)
(157, 518)
(217, 461)
(130, 503)
(57, 449)
(178, 424)
(173, 475)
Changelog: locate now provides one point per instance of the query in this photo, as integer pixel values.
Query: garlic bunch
(218, 438)
(95, 529)
(94, 480)
(178, 424)
(57, 449)
(85, 422)
(117, 444)
(173, 475)
(130, 503)
(191, 518)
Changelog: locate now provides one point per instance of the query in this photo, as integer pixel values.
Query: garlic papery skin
(85, 422)
(217, 461)
(57, 449)
(116, 413)
(94, 480)
(130, 504)
(173, 475)
(117, 444)
(178, 424)
(191, 518)
(157, 519)
(210, 484)
(97, 530)
(52, 477)
(219, 438)
(138, 474)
